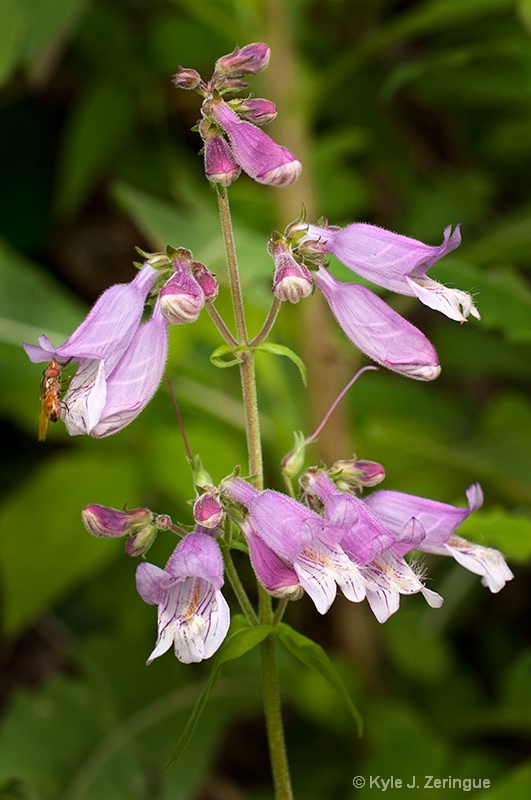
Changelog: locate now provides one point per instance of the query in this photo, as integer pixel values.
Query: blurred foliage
(417, 115)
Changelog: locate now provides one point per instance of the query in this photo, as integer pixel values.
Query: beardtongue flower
(377, 330)
(440, 521)
(193, 615)
(378, 551)
(303, 540)
(397, 263)
(276, 575)
(121, 359)
(257, 154)
(99, 401)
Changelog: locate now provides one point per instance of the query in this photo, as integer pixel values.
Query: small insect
(50, 409)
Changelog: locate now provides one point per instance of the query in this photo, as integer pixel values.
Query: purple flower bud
(257, 154)
(181, 298)
(220, 165)
(291, 281)
(352, 475)
(206, 281)
(208, 511)
(140, 525)
(109, 522)
(256, 110)
(186, 78)
(248, 60)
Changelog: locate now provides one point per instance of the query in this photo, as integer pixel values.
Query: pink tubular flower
(440, 521)
(302, 540)
(276, 575)
(397, 263)
(193, 615)
(377, 330)
(121, 359)
(378, 551)
(257, 154)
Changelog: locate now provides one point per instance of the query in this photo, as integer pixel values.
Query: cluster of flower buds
(140, 525)
(231, 127)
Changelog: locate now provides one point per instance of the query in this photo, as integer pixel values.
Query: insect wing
(44, 420)
(50, 407)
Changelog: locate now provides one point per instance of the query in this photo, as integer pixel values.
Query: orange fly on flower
(50, 408)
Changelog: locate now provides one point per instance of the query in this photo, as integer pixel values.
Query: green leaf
(33, 302)
(14, 25)
(282, 350)
(98, 126)
(513, 786)
(312, 655)
(45, 550)
(240, 640)
(507, 531)
(503, 296)
(226, 356)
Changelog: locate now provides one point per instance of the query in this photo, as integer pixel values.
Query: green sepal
(240, 639)
(312, 655)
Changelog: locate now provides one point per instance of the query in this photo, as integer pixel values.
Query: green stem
(268, 324)
(220, 325)
(272, 702)
(238, 589)
(232, 264)
(273, 706)
(247, 371)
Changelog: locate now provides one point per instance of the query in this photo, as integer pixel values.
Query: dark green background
(409, 115)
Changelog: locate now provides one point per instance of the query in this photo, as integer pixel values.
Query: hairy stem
(272, 703)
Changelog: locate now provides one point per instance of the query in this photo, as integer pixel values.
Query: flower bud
(206, 281)
(208, 511)
(181, 298)
(256, 110)
(220, 165)
(140, 526)
(103, 521)
(248, 60)
(293, 462)
(291, 281)
(186, 78)
(353, 475)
